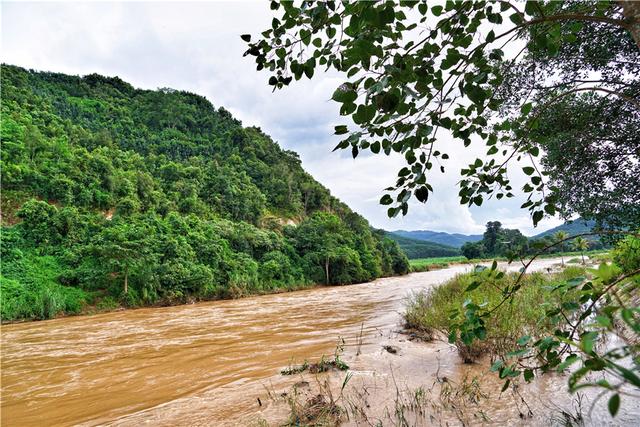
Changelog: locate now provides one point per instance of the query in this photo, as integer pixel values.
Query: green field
(426, 264)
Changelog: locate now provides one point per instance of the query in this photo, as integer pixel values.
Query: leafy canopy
(488, 71)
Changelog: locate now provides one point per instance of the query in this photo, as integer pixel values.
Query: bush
(431, 310)
(627, 254)
(38, 301)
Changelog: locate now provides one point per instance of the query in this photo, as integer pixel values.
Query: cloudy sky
(196, 47)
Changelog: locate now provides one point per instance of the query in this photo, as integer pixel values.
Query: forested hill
(114, 195)
(415, 248)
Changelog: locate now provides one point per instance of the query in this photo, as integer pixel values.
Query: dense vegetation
(415, 248)
(113, 195)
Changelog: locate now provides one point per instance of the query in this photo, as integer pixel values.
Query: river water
(207, 363)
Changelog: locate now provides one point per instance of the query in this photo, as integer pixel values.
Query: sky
(197, 47)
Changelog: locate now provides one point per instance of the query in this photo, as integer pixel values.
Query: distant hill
(574, 227)
(422, 249)
(455, 240)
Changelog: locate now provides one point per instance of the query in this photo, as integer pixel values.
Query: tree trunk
(326, 269)
(631, 12)
(582, 258)
(126, 279)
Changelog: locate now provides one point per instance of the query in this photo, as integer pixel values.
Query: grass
(323, 365)
(428, 264)
(29, 289)
(318, 410)
(425, 264)
(430, 310)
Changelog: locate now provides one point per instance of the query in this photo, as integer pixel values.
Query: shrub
(436, 310)
(627, 254)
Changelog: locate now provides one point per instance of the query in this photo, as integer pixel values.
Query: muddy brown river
(209, 363)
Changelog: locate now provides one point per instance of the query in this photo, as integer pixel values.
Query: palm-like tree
(580, 244)
(561, 236)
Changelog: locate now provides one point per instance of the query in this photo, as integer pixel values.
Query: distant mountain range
(572, 228)
(426, 243)
(455, 240)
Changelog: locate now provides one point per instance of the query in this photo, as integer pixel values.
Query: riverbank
(107, 304)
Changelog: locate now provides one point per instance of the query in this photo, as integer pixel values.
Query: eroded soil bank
(219, 363)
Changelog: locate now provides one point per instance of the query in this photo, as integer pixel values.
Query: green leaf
(473, 285)
(587, 340)
(341, 130)
(305, 36)
(436, 10)
(422, 194)
(528, 170)
(386, 200)
(246, 37)
(603, 321)
(497, 365)
(523, 340)
(570, 360)
(614, 404)
(516, 18)
(518, 353)
(526, 108)
(344, 94)
(537, 216)
(528, 375)
(308, 70)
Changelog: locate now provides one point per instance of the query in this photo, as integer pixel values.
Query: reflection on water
(202, 364)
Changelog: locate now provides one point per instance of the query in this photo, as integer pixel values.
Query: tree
(580, 244)
(460, 73)
(492, 236)
(560, 237)
(123, 247)
(38, 220)
(473, 250)
(328, 246)
(497, 241)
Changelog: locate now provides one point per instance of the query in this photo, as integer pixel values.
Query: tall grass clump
(29, 289)
(431, 310)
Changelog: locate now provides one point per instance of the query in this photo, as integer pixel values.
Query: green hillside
(572, 228)
(423, 249)
(119, 196)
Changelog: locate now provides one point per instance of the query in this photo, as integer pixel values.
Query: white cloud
(196, 47)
